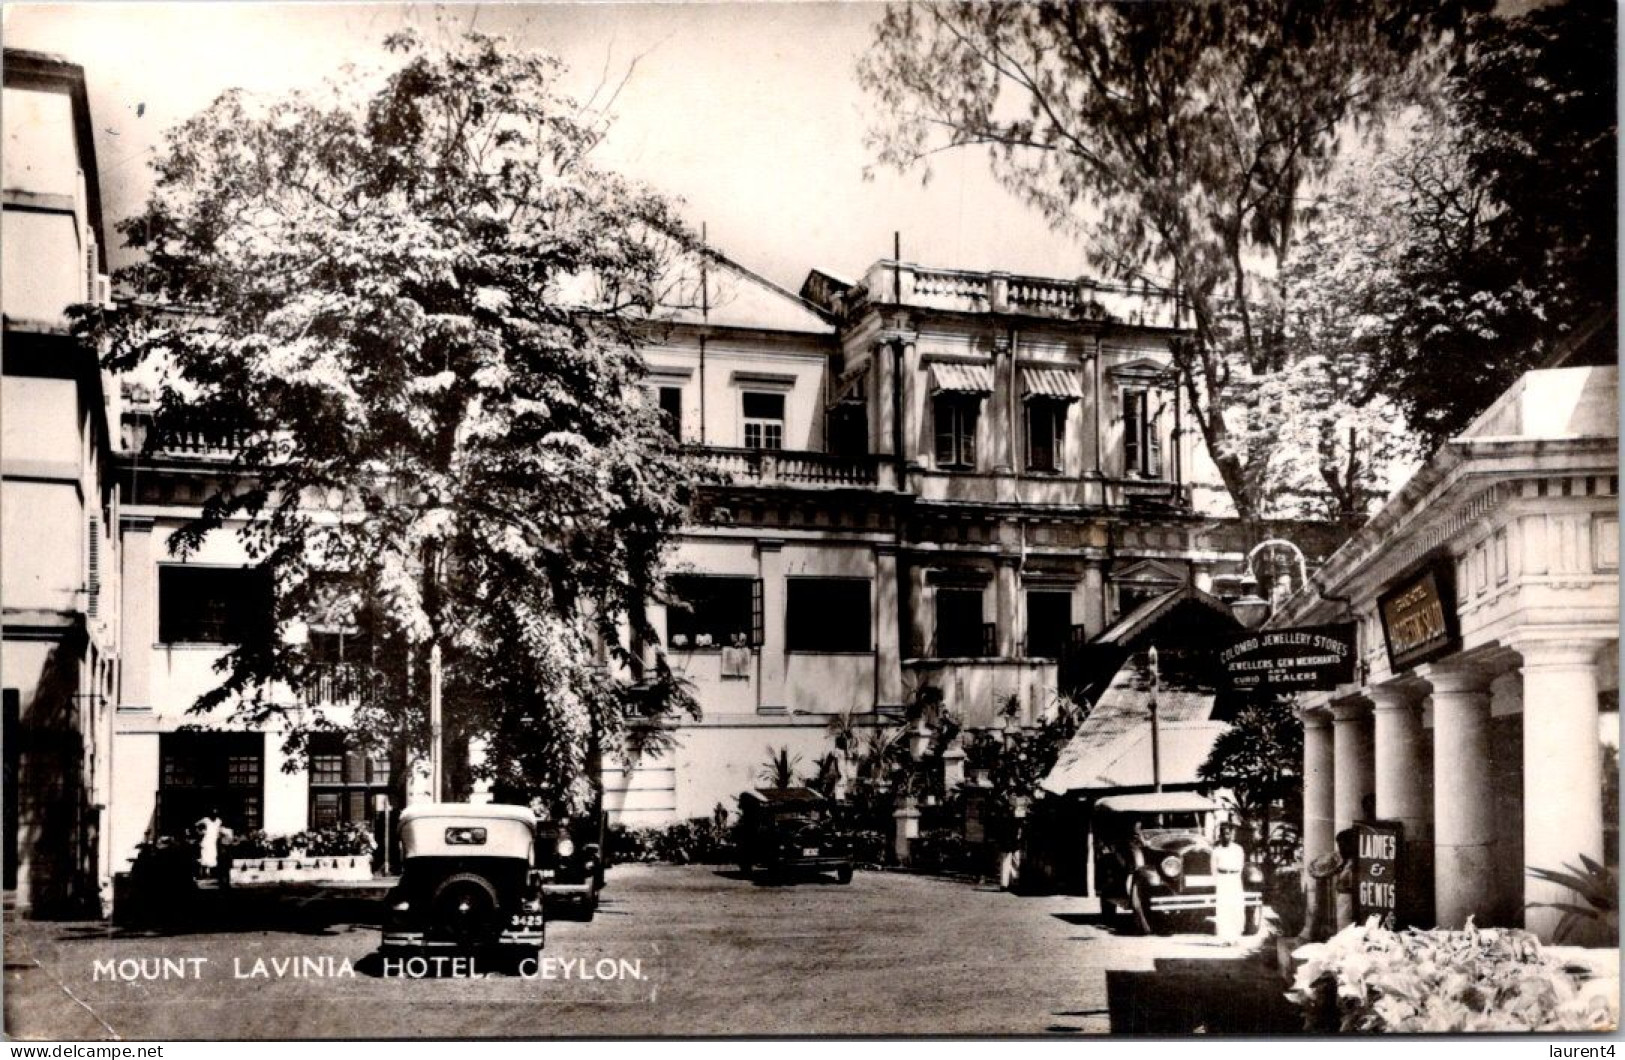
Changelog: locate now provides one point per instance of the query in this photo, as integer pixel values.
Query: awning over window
(961, 378)
(852, 389)
(1058, 384)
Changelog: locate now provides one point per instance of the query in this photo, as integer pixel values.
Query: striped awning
(852, 389)
(961, 378)
(1058, 384)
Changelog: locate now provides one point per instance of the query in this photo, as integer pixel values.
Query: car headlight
(1172, 865)
(566, 848)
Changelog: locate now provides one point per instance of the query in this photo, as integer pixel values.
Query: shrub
(698, 841)
(336, 841)
(1367, 978)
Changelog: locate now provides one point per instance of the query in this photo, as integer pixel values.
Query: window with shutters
(827, 615)
(955, 417)
(93, 567)
(713, 611)
(764, 420)
(346, 785)
(1142, 441)
(1046, 434)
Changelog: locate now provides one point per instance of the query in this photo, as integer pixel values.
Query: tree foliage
(1499, 211)
(1176, 138)
(1259, 759)
(416, 303)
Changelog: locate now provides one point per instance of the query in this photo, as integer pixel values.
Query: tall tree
(1175, 137)
(417, 307)
(1259, 759)
(1506, 196)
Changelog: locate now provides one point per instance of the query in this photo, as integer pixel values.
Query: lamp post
(1156, 726)
(1252, 609)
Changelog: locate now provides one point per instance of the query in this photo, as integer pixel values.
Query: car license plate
(809, 852)
(548, 874)
(527, 920)
(1199, 881)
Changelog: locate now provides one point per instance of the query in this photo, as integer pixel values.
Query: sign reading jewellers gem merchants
(1305, 659)
(1376, 870)
(1419, 617)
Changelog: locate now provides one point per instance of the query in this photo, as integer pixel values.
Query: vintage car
(570, 857)
(468, 879)
(785, 831)
(1153, 858)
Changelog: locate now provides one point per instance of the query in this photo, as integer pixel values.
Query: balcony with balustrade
(797, 468)
(1136, 304)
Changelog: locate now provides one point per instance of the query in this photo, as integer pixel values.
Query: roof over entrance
(1112, 748)
(736, 297)
(1129, 629)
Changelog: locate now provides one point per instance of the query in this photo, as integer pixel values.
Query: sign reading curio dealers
(1304, 659)
(1419, 617)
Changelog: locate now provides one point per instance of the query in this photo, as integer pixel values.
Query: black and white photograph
(935, 519)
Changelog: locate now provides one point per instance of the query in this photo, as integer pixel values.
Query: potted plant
(1289, 908)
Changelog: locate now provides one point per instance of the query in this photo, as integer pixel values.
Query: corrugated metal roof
(1059, 383)
(1112, 748)
(961, 378)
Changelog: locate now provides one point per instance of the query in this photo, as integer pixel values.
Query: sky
(748, 112)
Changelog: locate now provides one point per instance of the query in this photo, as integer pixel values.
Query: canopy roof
(784, 796)
(1157, 802)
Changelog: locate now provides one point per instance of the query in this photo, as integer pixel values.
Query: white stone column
(913, 386)
(1562, 767)
(1352, 770)
(921, 618)
(1463, 796)
(883, 413)
(1318, 794)
(888, 639)
(1403, 790)
(1006, 616)
(1094, 599)
(771, 696)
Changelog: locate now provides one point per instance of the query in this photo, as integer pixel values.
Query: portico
(1485, 596)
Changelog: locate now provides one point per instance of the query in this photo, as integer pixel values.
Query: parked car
(571, 857)
(1153, 858)
(468, 879)
(785, 831)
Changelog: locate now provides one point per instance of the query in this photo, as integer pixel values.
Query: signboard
(1303, 659)
(1419, 617)
(1377, 870)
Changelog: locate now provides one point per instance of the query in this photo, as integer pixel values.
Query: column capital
(1315, 717)
(1456, 678)
(1395, 696)
(1570, 652)
(1350, 710)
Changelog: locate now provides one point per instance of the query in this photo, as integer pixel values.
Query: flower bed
(1370, 979)
(308, 869)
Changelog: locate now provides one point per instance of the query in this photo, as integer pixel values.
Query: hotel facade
(1486, 597)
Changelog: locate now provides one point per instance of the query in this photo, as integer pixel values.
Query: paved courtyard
(673, 951)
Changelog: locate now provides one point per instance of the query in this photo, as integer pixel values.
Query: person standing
(208, 846)
(1229, 899)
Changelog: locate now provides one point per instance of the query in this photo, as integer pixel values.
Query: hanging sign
(1419, 617)
(1301, 659)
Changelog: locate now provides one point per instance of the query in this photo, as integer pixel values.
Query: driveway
(673, 951)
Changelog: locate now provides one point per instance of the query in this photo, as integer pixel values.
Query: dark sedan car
(570, 855)
(786, 831)
(1152, 857)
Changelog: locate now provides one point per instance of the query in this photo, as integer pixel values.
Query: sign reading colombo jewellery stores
(1304, 659)
(1419, 617)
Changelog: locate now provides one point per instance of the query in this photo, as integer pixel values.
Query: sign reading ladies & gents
(1377, 870)
(1304, 659)
(1419, 616)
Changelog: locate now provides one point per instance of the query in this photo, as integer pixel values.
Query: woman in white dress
(208, 847)
(1228, 861)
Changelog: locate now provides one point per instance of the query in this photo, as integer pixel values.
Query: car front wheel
(844, 874)
(1148, 922)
